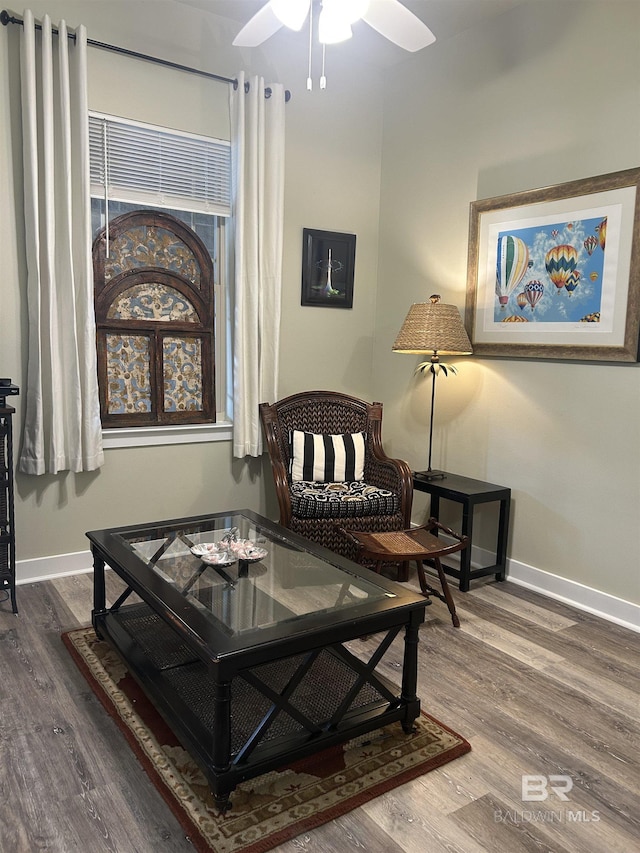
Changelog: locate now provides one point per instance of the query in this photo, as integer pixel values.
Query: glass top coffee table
(236, 628)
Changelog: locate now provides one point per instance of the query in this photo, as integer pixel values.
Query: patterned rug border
(120, 708)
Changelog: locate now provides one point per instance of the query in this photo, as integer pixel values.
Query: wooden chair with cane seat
(419, 544)
(378, 499)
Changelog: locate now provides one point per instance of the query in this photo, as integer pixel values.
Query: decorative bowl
(228, 551)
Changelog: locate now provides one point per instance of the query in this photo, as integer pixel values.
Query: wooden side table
(469, 493)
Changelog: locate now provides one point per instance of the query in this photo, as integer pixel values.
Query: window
(155, 322)
(160, 294)
(154, 167)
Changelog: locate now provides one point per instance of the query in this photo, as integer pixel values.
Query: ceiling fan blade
(259, 28)
(292, 13)
(395, 22)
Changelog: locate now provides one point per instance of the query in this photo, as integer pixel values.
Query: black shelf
(7, 529)
(182, 687)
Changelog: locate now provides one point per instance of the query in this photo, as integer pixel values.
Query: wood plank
(605, 691)
(353, 831)
(536, 686)
(625, 663)
(78, 596)
(498, 595)
(409, 817)
(506, 642)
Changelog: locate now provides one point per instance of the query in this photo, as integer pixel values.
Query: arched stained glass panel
(128, 374)
(155, 322)
(182, 371)
(152, 301)
(151, 246)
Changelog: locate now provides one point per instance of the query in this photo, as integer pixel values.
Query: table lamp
(436, 328)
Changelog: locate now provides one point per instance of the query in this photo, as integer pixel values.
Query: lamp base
(429, 475)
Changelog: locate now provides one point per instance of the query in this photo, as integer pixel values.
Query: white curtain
(62, 429)
(257, 151)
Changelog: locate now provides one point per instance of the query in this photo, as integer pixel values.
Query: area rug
(277, 806)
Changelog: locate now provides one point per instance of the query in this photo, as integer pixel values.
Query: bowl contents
(210, 552)
(229, 549)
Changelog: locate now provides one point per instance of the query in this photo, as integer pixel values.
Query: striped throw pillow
(326, 458)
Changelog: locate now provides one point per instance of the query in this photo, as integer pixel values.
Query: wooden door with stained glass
(153, 280)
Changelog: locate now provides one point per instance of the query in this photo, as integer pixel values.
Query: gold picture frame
(554, 273)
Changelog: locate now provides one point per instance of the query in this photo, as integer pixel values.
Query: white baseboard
(570, 592)
(576, 594)
(48, 568)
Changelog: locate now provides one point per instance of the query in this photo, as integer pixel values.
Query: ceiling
(445, 18)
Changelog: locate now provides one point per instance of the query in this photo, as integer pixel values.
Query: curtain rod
(6, 19)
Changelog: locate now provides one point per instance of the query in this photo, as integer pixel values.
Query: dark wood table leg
(503, 527)
(221, 745)
(410, 676)
(99, 593)
(434, 509)
(465, 556)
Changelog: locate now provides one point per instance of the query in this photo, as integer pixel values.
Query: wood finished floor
(537, 687)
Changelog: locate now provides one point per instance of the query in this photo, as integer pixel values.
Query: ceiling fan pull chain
(309, 79)
(323, 79)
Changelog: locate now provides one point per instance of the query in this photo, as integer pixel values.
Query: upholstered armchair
(330, 469)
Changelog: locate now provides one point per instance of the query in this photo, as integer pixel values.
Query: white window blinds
(144, 164)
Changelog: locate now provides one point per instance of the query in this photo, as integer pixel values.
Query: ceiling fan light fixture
(391, 18)
(354, 10)
(333, 27)
(292, 13)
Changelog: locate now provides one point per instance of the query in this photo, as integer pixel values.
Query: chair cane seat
(419, 544)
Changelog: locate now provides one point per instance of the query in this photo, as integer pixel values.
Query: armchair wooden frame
(335, 413)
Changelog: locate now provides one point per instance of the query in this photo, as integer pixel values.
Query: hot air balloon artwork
(590, 243)
(560, 262)
(572, 282)
(511, 265)
(543, 269)
(533, 292)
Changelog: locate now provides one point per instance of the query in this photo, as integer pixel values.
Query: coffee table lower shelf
(265, 716)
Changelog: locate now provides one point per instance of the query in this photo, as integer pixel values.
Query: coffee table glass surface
(241, 633)
(240, 595)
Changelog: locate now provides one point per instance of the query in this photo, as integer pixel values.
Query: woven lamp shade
(433, 327)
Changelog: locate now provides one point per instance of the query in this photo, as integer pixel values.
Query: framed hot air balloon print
(555, 272)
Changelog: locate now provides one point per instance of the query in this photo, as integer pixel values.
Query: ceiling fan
(388, 17)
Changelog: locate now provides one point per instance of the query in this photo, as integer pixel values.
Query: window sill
(158, 435)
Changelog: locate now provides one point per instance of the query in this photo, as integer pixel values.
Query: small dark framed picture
(328, 262)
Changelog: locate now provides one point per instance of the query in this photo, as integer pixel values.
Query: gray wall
(332, 182)
(546, 93)
(394, 158)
